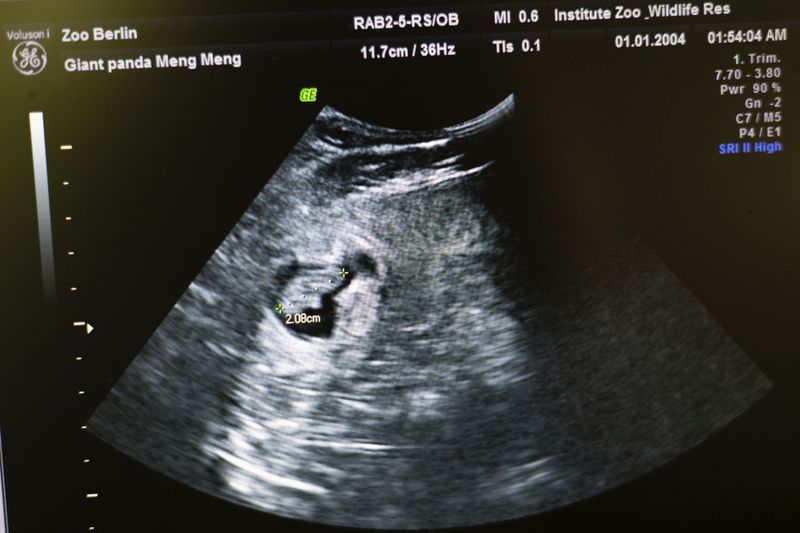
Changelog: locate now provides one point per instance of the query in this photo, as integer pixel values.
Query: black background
(165, 163)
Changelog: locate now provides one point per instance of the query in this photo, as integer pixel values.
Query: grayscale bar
(3, 512)
(39, 152)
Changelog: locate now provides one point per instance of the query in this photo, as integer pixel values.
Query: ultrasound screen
(407, 266)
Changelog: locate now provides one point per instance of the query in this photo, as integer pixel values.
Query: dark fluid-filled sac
(429, 376)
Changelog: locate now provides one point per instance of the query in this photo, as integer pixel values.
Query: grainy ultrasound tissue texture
(445, 383)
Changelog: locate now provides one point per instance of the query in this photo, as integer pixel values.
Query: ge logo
(29, 58)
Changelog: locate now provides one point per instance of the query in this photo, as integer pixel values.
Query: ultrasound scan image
(374, 345)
